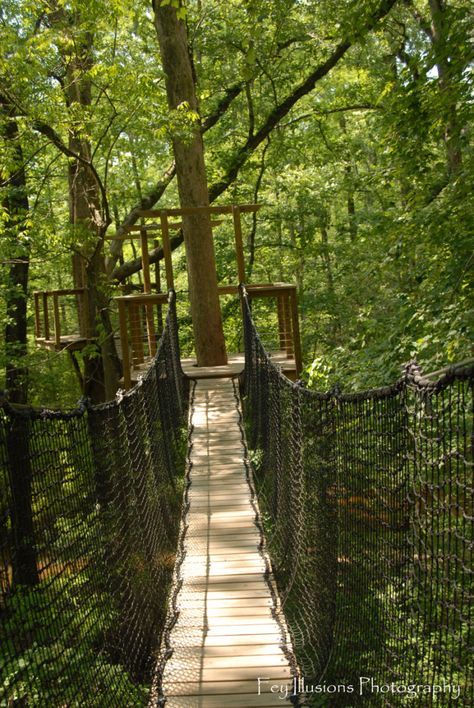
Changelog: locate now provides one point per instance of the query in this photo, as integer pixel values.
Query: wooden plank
(257, 605)
(218, 688)
(232, 673)
(221, 623)
(228, 583)
(228, 592)
(227, 652)
(186, 636)
(257, 661)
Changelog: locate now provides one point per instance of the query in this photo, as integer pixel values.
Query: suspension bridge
(239, 541)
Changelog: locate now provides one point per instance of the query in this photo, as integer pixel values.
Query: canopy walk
(284, 544)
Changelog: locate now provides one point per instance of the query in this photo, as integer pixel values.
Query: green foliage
(62, 654)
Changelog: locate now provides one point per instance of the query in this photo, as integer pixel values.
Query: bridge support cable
(89, 516)
(367, 500)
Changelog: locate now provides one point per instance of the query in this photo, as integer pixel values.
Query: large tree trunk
(16, 207)
(193, 191)
(101, 373)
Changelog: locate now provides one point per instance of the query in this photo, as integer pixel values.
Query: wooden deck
(235, 367)
(230, 630)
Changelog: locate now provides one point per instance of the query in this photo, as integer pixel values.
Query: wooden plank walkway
(230, 631)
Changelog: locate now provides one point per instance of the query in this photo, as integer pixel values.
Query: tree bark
(193, 191)
(87, 212)
(441, 51)
(15, 204)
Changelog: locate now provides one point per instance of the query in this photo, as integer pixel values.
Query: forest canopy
(350, 122)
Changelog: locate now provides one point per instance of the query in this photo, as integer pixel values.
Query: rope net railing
(367, 501)
(89, 514)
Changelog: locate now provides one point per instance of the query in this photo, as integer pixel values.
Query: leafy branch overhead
(349, 121)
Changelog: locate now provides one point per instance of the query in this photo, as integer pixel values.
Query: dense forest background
(349, 121)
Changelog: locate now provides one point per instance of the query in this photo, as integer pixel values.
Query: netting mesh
(367, 501)
(89, 511)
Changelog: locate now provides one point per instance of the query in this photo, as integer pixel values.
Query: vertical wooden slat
(150, 325)
(136, 334)
(145, 261)
(167, 249)
(296, 332)
(288, 338)
(45, 316)
(127, 381)
(239, 246)
(37, 316)
(158, 290)
(57, 324)
(281, 320)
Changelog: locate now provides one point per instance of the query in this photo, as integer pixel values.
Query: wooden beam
(186, 211)
(173, 226)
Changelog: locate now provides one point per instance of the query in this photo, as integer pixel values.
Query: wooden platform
(235, 366)
(230, 630)
(72, 342)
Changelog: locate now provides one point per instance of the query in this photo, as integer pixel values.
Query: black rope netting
(89, 512)
(367, 502)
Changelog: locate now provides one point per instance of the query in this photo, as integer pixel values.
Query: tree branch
(287, 104)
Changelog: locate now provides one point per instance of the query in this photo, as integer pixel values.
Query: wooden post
(239, 246)
(296, 332)
(57, 324)
(167, 249)
(45, 316)
(37, 316)
(158, 290)
(150, 325)
(127, 381)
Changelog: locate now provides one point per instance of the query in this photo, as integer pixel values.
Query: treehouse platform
(227, 625)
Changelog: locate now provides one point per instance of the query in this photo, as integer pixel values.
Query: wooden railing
(140, 322)
(58, 318)
(141, 317)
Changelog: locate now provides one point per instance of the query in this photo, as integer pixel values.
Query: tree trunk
(193, 191)
(101, 370)
(441, 50)
(16, 209)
